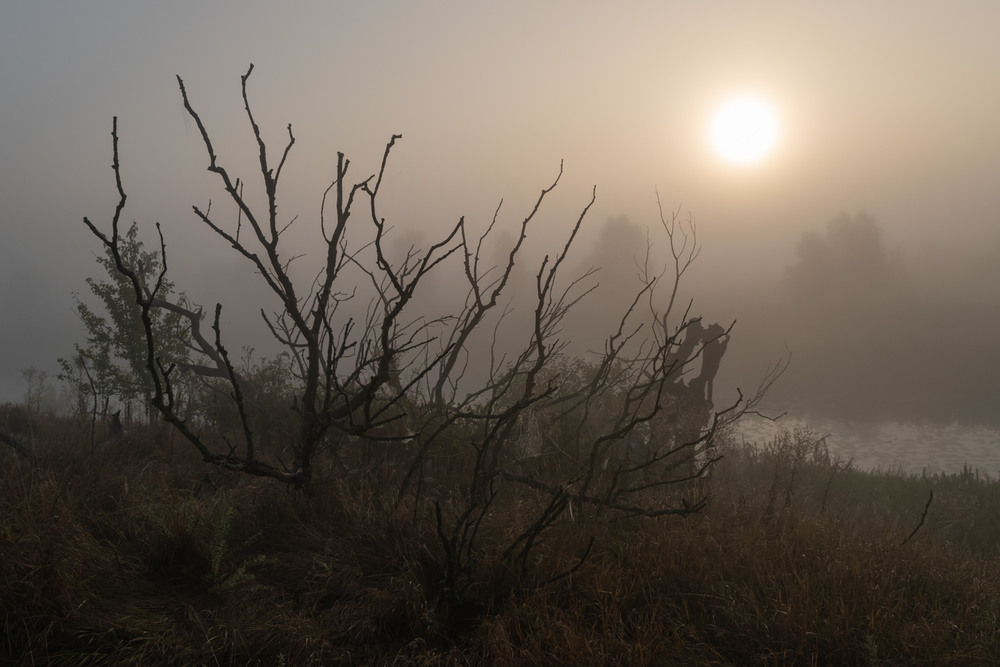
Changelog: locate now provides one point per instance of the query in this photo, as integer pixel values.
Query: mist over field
(886, 119)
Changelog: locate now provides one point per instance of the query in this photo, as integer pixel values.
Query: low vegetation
(138, 554)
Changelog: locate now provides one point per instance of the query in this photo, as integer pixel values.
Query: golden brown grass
(135, 556)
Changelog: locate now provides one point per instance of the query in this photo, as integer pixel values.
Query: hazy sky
(890, 107)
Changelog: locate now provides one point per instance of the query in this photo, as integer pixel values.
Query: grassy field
(138, 554)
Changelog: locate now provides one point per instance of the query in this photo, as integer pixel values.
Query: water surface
(892, 445)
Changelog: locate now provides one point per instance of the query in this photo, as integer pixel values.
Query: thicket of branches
(391, 390)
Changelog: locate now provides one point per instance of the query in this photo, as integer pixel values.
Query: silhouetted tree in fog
(112, 364)
(847, 261)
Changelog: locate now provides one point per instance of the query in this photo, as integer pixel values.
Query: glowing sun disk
(744, 130)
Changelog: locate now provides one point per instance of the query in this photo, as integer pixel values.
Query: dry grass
(134, 556)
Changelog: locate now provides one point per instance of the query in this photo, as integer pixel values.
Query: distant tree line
(877, 334)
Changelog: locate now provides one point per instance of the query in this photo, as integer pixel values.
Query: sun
(744, 130)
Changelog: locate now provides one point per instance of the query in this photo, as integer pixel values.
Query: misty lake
(905, 446)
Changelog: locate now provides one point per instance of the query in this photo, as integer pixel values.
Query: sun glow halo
(744, 130)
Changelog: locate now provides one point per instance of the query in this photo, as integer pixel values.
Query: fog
(867, 244)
